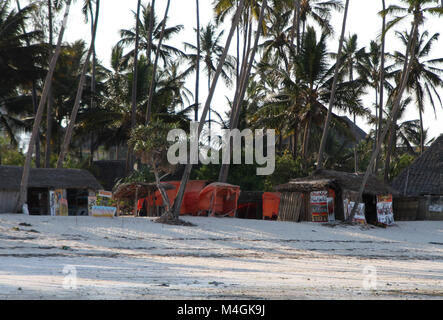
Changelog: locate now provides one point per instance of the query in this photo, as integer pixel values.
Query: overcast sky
(363, 20)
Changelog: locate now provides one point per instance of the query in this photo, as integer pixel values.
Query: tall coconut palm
(69, 131)
(34, 93)
(352, 60)
(166, 51)
(417, 10)
(210, 54)
(425, 76)
(44, 97)
(154, 68)
(333, 91)
(187, 173)
(130, 162)
(197, 68)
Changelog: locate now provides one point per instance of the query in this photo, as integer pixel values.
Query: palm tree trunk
(70, 129)
(185, 178)
(422, 132)
(197, 74)
(51, 98)
(333, 91)
(151, 30)
(38, 117)
(154, 69)
(396, 107)
(34, 99)
(130, 163)
(381, 85)
(236, 110)
(390, 149)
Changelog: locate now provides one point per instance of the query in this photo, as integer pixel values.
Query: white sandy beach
(135, 258)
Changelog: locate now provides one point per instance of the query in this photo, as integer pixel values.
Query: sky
(363, 20)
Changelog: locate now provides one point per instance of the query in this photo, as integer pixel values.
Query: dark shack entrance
(38, 201)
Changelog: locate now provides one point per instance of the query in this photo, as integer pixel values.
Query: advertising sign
(100, 206)
(359, 216)
(58, 204)
(385, 213)
(319, 206)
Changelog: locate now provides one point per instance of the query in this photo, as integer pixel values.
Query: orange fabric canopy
(219, 199)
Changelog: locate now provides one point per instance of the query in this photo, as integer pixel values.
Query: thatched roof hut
(295, 200)
(10, 178)
(76, 184)
(425, 175)
(324, 179)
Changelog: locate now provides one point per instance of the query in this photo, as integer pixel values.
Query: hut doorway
(77, 202)
(370, 208)
(38, 201)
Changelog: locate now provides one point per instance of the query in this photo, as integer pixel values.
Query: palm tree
(154, 69)
(333, 91)
(187, 173)
(68, 135)
(353, 59)
(417, 9)
(130, 162)
(211, 54)
(197, 68)
(38, 117)
(425, 75)
(319, 11)
(166, 51)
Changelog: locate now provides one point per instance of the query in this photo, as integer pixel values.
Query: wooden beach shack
(69, 187)
(338, 189)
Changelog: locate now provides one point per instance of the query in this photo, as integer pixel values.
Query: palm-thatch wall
(421, 186)
(295, 200)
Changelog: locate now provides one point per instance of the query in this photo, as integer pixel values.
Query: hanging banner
(319, 206)
(385, 212)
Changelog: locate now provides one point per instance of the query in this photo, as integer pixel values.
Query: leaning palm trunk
(197, 73)
(236, 110)
(69, 131)
(381, 85)
(390, 148)
(396, 107)
(34, 100)
(130, 163)
(51, 99)
(333, 91)
(188, 169)
(154, 69)
(38, 117)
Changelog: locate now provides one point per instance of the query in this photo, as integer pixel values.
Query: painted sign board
(319, 206)
(385, 212)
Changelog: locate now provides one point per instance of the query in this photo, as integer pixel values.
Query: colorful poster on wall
(319, 206)
(385, 212)
(59, 203)
(359, 216)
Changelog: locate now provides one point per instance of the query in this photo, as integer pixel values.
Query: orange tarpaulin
(271, 204)
(219, 199)
(190, 199)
